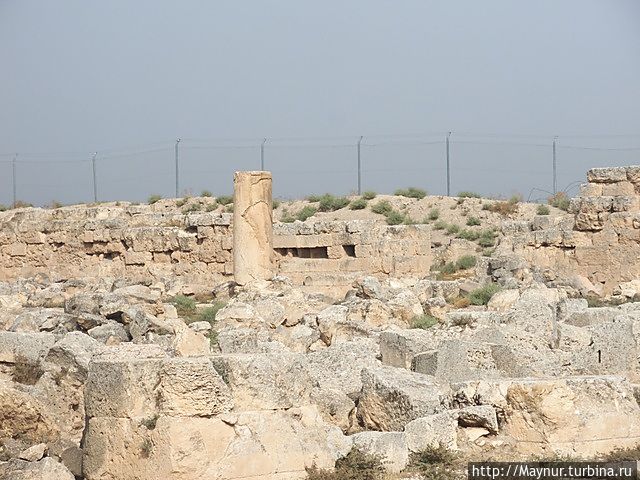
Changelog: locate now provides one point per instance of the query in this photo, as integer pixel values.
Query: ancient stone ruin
(185, 341)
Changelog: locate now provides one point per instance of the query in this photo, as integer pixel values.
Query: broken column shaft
(252, 227)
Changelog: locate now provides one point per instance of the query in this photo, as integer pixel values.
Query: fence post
(448, 166)
(95, 185)
(13, 166)
(359, 167)
(177, 170)
(262, 154)
(555, 177)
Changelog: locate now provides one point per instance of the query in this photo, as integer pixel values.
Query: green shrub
(225, 199)
(186, 306)
(560, 200)
(487, 238)
(275, 204)
(194, 207)
(424, 321)
(211, 206)
(286, 216)
(369, 195)
(3, 208)
(182, 202)
(22, 204)
(465, 262)
(453, 229)
(448, 268)
(358, 204)
(434, 214)
(206, 193)
(473, 221)
(383, 207)
(411, 192)
(542, 210)
(208, 314)
(395, 218)
(356, 465)
(466, 234)
(468, 195)
(482, 295)
(435, 463)
(154, 199)
(329, 203)
(229, 208)
(306, 212)
(487, 252)
(314, 198)
(440, 225)
(486, 206)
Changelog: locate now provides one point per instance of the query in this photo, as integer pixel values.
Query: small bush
(225, 200)
(329, 203)
(482, 295)
(3, 208)
(314, 198)
(383, 207)
(395, 218)
(411, 192)
(55, 204)
(466, 234)
(453, 229)
(21, 204)
(306, 212)
(487, 238)
(559, 200)
(369, 195)
(154, 199)
(440, 225)
(229, 208)
(473, 221)
(275, 204)
(358, 204)
(486, 206)
(355, 466)
(505, 208)
(194, 207)
(435, 463)
(424, 321)
(206, 193)
(631, 454)
(186, 306)
(448, 268)
(468, 195)
(465, 262)
(434, 214)
(542, 210)
(208, 314)
(286, 216)
(211, 206)
(487, 252)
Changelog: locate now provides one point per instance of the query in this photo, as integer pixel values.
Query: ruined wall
(599, 241)
(159, 241)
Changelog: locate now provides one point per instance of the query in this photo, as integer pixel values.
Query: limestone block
(399, 347)
(28, 348)
(607, 175)
(391, 447)
(45, 469)
(364, 251)
(137, 258)
(633, 174)
(17, 250)
(479, 416)
(252, 227)
(626, 204)
(432, 431)
(392, 397)
(582, 416)
(457, 361)
(192, 387)
(591, 190)
(620, 188)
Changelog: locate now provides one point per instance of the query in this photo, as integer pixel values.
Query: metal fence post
(448, 166)
(262, 154)
(555, 177)
(177, 170)
(13, 165)
(95, 185)
(359, 167)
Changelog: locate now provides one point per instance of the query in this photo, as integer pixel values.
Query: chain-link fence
(491, 165)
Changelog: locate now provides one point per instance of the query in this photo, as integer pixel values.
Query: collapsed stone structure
(102, 377)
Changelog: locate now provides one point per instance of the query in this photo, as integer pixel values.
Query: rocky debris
(45, 469)
(432, 431)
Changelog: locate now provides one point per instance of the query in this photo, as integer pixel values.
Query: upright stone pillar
(252, 227)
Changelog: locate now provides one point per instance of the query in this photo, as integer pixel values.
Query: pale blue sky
(82, 76)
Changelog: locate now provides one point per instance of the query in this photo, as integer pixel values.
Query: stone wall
(159, 241)
(598, 244)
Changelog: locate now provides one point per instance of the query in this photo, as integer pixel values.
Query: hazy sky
(83, 76)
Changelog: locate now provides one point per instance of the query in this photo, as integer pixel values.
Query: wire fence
(441, 163)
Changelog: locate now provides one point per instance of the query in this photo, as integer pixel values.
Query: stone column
(252, 227)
